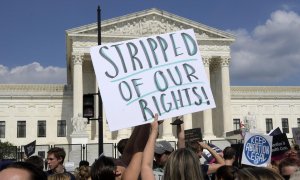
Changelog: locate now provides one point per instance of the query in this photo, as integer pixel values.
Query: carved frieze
(31, 106)
(51, 106)
(83, 43)
(214, 48)
(11, 106)
(149, 25)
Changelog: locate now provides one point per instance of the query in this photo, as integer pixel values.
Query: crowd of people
(145, 158)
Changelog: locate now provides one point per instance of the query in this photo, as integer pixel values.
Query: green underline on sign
(156, 67)
(171, 87)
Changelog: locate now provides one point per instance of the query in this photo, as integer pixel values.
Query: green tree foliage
(8, 150)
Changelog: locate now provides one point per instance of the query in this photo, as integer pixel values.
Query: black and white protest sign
(161, 74)
(280, 143)
(30, 148)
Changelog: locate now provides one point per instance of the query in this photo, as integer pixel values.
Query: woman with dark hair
(254, 173)
(229, 154)
(103, 168)
(225, 172)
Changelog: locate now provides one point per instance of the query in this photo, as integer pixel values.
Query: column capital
(214, 65)
(77, 59)
(225, 60)
(206, 60)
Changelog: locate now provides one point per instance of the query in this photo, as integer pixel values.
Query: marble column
(123, 133)
(207, 114)
(79, 134)
(167, 130)
(226, 96)
(188, 121)
(77, 85)
(259, 118)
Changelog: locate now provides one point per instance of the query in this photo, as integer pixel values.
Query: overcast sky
(266, 51)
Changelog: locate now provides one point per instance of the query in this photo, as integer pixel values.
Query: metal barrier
(77, 152)
(91, 151)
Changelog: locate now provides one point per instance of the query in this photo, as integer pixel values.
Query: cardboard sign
(70, 166)
(193, 135)
(257, 150)
(161, 74)
(30, 148)
(296, 135)
(280, 144)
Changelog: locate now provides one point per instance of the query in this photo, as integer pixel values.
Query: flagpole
(100, 114)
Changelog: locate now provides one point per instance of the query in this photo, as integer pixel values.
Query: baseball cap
(162, 147)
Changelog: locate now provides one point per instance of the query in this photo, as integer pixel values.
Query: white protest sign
(70, 166)
(161, 74)
(257, 150)
(158, 175)
(296, 135)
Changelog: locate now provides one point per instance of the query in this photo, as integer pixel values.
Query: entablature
(35, 91)
(265, 92)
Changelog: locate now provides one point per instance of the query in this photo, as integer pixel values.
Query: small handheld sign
(257, 150)
(280, 144)
(193, 135)
(30, 148)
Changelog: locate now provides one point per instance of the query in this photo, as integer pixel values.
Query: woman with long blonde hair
(183, 164)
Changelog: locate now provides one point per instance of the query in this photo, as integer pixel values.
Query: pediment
(149, 22)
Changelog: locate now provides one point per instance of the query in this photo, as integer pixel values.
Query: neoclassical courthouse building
(52, 113)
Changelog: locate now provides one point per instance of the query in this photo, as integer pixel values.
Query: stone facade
(51, 103)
